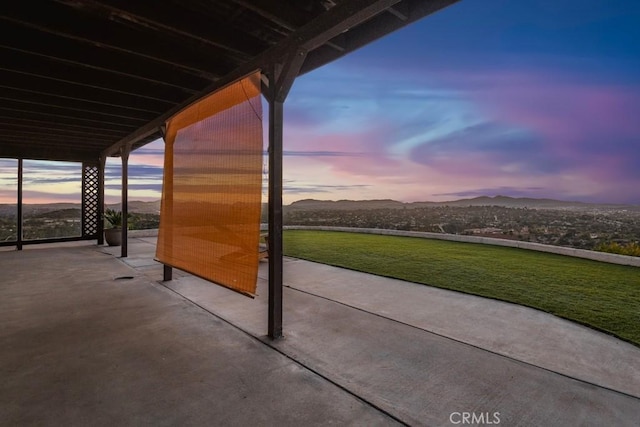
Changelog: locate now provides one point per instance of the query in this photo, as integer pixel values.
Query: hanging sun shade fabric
(211, 192)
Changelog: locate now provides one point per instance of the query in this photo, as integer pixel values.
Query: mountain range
(153, 207)
(134, 206)
(502, 201)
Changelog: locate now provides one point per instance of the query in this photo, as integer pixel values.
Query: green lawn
(602, 296)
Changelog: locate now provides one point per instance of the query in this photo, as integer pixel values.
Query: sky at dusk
(531, 98)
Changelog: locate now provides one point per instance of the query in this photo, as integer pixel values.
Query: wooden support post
(167, 273)
(101, 166)
(280, 79)
(19, 208)
(83, 196)
(124, 153)
(275, 217)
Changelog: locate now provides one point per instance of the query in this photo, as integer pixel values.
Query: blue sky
(526, 98)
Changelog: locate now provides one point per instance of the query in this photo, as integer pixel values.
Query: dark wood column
(101, 166)
(19, 208)
(280, 79)
(124, 154)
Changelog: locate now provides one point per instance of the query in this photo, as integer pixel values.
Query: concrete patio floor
(87, 338)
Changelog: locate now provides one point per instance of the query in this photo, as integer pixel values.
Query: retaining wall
(578, 253)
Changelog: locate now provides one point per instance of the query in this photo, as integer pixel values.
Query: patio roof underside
(82, 78)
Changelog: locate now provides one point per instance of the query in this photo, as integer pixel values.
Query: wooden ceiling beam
(70, 101)
(278, 12)
(104, 36)
(75, 113)
(16, 113)
(164, 16)
(36, 50)
(20, 127)
(400, 11)
(58, 140)
(62, 86)
(20, 119)
(70, 154)
(55, 102)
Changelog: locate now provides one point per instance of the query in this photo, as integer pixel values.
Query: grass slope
(603, 296)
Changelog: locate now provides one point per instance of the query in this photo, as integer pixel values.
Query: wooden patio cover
(81, 78)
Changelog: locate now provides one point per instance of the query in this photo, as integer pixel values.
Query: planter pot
(113, 236)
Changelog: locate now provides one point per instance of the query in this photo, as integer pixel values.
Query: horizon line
(368, 200)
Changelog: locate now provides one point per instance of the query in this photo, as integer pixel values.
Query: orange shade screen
(211, 192)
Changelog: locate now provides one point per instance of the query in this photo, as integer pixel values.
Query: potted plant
(113, 231)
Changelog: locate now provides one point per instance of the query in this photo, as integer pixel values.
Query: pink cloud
(565, 111)
(583, 126)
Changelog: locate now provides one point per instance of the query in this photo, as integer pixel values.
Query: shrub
(631, 248)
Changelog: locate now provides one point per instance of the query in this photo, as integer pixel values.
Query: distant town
(552, 222)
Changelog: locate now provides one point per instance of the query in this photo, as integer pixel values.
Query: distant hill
(37, 209)
(502, 201)
(514, 202)
(311, 204)
(45, 210)
(136, 206)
